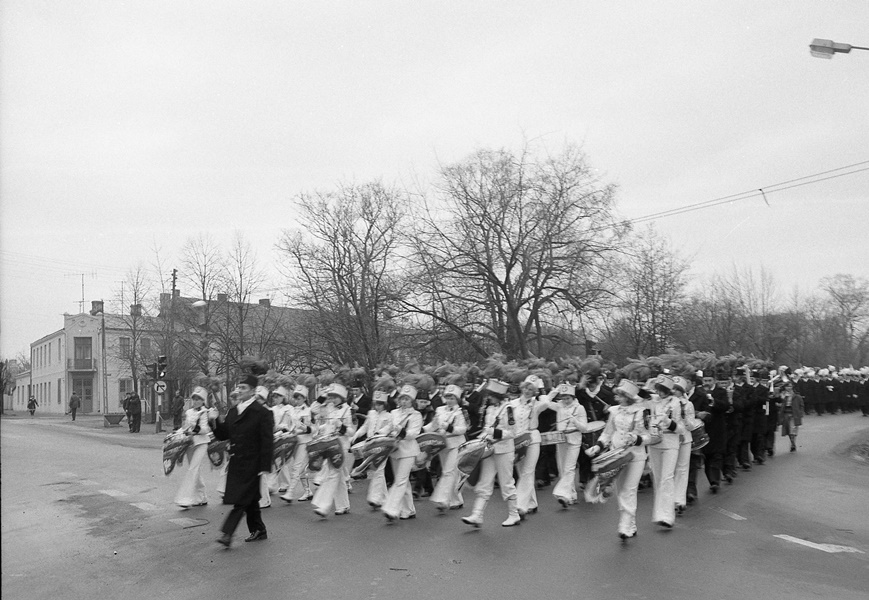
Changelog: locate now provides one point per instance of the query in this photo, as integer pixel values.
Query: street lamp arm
(827, 48)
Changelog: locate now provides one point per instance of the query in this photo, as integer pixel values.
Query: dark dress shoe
(257, 536)
(225, 540)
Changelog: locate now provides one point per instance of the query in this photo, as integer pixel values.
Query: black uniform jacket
(250, 438)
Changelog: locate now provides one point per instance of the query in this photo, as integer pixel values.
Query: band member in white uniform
(625, 429)
(528, 408)
(297, 464)
(406, 425)
(450, 422)
(192, 489)
(333, 419)
(283, 423)
(685, 416)
(572, 420)
(378, 422)
(499, 425)
(665, 409)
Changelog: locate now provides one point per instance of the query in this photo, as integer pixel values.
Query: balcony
(81, 364)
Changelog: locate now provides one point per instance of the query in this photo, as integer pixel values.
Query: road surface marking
(830, 548)
(727, 513)
(145, 506)
(113, 493)
(185, 522)
(88, 482)
(67, 474)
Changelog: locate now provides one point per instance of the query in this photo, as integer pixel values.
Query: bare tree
(849, 304)
(509, 245)
(130, 351)
(244, 277)
(652, 296)
(344, 266)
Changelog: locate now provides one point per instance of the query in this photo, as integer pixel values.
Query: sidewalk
(92, 422)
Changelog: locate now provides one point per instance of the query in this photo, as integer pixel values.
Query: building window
(59, 391)
(145, 346)
(126, 347)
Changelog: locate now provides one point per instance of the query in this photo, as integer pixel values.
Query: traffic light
(152, 370)
(161, 367)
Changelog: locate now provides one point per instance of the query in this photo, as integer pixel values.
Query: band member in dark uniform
(761, 413)
(249, 428)
(710, 406)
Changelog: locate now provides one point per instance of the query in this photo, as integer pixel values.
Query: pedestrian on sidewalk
(134, 406)
(177, 409)
(32, 404)
(74, 404)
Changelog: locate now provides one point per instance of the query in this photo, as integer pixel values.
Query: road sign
(160, 387)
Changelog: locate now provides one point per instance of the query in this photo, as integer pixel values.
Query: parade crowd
(576, 427)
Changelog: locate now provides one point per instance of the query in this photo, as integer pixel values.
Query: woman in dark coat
(791, 413)
(249, 428)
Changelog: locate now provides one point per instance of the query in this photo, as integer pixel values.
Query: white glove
(213, 413)
(592, 451)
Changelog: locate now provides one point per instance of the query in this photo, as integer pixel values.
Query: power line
(776, 187)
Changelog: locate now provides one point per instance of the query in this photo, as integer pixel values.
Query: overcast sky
(125, 125)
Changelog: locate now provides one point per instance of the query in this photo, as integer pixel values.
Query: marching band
(666, 426)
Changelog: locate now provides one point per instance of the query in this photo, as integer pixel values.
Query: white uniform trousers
(502, 466)
(566, 455)
(447, 489)
(332, 490)
(526, 494)
(399, 500)
(192, 490)
(663, 464)
(626, 485)
(268, 484)
(295, 470)
(680, 478)
(377, 488)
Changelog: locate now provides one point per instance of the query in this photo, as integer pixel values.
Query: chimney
(176, 293)
(265, 302)
(96, 307)
(135, 310)
(221, 297)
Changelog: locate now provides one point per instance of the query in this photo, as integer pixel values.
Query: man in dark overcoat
(249, 428)
(711, 406)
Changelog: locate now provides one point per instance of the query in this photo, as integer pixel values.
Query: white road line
(67, 474)
(88, 482)
(829, 548)
(113, 493)
(727, 513)
(185, 522)
(145, 506)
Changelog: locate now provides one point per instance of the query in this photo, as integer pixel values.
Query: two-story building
(92, 355)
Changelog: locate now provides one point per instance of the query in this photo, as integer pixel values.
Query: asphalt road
(88, 513)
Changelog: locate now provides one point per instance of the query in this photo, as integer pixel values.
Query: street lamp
(827, 48)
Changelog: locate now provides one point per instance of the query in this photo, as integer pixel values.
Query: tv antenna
(93, 275)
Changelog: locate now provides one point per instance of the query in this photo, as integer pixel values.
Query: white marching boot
(513, 517)
(476, 516)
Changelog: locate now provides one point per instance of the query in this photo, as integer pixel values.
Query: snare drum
(520, 445)
(328, 448)
(549, 438)
(612, 460)
(593, 431)
(699, 437)
(429, 445)
(358, 449)
(471, 453)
